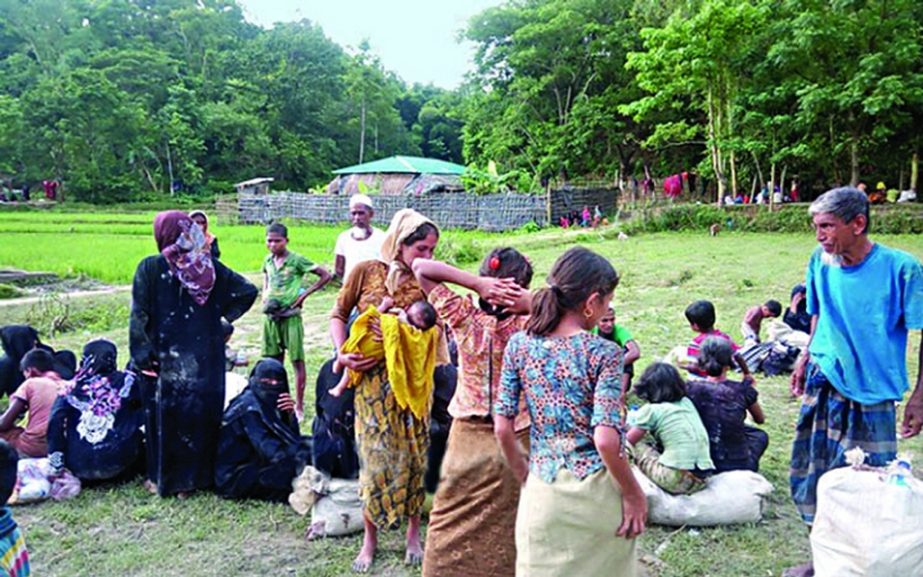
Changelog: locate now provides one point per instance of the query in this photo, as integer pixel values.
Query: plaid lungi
(828, 426)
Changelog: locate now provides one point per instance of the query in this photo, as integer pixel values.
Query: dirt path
(30, 300)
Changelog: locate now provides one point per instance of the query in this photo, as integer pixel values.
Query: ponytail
(577, 274)
(546, 312)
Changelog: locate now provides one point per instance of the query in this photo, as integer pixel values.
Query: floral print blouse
(571, 385)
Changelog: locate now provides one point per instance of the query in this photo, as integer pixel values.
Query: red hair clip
(494, 263)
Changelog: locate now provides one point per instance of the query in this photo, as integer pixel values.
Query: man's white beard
(831, 259)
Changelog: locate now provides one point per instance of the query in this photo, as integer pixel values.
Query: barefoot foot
(414, 555)
(363, 561)
(150, 487)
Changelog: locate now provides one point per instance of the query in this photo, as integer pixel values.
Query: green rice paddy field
(121, 530)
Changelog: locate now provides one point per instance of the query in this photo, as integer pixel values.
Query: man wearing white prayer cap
(362, 241)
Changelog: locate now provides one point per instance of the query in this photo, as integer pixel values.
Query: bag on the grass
(865, 526)
(727, 499)
(338, 512)
(32, 481)
(334, 503)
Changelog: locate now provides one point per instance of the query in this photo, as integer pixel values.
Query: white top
(355, 251)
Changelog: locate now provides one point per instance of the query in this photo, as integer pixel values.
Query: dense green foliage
(122, 99)
(791, 218)
(738, 91)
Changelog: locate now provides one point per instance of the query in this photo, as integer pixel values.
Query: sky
(417, 39)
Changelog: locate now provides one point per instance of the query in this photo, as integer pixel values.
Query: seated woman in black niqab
(95, 425)
(17, 340)
(260, 448)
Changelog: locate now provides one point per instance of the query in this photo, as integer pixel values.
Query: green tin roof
(404, 164)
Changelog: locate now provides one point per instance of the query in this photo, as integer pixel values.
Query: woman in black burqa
(178, 300)
(17, 340)
(261, 450)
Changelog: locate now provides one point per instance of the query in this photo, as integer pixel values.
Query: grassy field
(124, 531)
(108, 246)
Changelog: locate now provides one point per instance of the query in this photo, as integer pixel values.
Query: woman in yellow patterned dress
(392, 442)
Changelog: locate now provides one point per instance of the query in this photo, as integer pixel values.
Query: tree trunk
(713, 147)
(759, 171)
(771, 186)
(170, 168)
(733, 175)
(362, 131)
(854, 161)
(914, 170)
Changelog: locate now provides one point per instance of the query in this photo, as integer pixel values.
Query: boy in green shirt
(283, 295)
(610, 331)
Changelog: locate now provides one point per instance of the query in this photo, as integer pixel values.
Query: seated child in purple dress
(723, 405)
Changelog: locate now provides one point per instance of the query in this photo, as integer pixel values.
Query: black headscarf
(268, 380)
(16, 340)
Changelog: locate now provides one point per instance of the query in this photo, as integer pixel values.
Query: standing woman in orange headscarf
(392, 441)
(178, 299)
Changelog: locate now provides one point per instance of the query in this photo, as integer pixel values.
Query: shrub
(789, 218)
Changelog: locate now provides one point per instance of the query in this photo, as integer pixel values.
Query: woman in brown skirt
(475, 504)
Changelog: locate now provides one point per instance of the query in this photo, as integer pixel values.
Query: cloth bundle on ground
(234, 385)
(778, 354)
(334, 504)
(728, 499)
(37, 481)
(865, 526)
(407, 351)
(95, 426)
(260, 448)
(17, 340)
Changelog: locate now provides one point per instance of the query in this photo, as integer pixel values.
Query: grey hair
(845, 203)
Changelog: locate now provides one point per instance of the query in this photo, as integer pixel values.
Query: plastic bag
(234, 385)
(65, 486)
(32, 481)
(867, 527)
(727, 499)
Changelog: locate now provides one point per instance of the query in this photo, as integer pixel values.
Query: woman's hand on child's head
(500, 292)
(285, 403)
(634, 514)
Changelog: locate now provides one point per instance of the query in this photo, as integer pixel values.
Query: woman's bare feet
(414, 554)
(363, 560)
(150, 487)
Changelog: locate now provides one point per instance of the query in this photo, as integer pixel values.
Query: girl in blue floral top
(581, 507)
